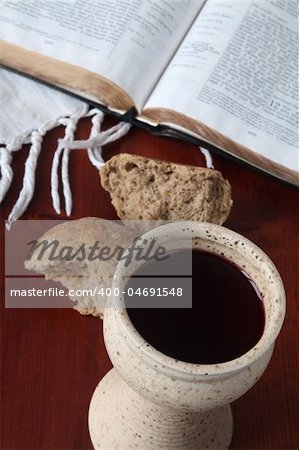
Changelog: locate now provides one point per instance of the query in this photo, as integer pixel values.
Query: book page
(127, 41)
(237, 72)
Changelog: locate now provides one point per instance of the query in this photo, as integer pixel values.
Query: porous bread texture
(82, 275)
(148, 189)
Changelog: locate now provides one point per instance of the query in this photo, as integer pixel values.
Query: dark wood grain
(51, 360)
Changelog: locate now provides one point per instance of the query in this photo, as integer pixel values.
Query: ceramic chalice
(150, 400)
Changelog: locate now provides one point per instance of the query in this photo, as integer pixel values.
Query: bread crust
(85, 275)
(148, 189)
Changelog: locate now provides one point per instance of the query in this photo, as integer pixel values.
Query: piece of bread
(82, 274)
(148, 189)
(140, 188)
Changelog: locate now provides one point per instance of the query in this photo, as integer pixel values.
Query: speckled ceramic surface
(152, 401)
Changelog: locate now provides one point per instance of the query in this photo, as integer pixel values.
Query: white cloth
(26, 105)
(28, 110)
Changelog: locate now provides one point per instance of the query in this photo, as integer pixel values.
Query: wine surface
(226, 320)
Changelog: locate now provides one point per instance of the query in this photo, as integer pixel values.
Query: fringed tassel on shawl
(70, 129)
(27, 191)
(6, 156)
(93, 145)
(105, 137)
(95, 154)
(6, 171)
(208, 157)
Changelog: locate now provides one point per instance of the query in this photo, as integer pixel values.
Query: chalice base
(119, 418)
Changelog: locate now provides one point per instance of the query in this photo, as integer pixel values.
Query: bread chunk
(83, 275)
(148, 189)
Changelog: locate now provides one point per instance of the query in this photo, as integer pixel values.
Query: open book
(225, 71)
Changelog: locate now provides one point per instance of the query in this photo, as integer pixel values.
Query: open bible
(224, 72)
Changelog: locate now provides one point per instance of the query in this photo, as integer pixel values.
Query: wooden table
(53, 359)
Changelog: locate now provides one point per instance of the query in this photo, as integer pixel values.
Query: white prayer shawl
(28, 110)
